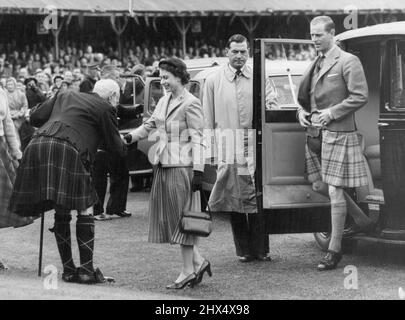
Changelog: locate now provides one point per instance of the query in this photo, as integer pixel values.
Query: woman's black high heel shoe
(190, 280)
(205, 267)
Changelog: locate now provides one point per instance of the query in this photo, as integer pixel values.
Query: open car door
(392, 138)
(130, 113)
(284, 193)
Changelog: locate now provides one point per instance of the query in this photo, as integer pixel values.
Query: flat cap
(93, 65)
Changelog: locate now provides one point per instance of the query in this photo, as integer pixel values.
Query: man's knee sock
(358, 215)
(61, 230)
(85, 240)
(339, 211)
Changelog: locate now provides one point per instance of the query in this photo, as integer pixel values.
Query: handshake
(127, 139)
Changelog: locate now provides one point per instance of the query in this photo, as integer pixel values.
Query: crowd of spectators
(33, 74)
(70, 69)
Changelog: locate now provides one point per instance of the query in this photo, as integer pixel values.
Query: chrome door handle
(383, 124)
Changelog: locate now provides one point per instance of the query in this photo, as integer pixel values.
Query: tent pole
(183, 29)
(119, 28)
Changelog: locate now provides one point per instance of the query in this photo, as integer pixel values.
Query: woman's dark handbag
(197, 223)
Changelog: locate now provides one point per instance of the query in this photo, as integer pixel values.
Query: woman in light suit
(9, 155)
(178, 123)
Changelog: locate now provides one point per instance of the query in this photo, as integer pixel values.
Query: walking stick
(41, 244)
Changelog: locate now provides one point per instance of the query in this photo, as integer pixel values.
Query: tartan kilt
(7, 178)
(342, 162)
(51, 176)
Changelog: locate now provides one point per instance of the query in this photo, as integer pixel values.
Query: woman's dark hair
(176, 67)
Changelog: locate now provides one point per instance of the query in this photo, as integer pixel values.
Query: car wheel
(322, 240)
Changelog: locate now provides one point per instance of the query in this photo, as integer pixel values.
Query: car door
(131, 103)
(131, 111)
(392, 136)
(284, 193)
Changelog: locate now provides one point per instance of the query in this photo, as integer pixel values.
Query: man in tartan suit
(334, 88)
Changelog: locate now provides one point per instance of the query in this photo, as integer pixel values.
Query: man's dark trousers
(249, 234)
(119, 182)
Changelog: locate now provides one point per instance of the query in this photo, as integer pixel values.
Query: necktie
(319, 64)
(238, 73)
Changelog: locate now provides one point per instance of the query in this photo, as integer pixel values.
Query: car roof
(205, 62)
(273, 67)
(392, 28)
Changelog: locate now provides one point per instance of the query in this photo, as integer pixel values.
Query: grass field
(142, 270)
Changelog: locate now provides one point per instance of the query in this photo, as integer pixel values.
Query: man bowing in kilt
(333, 89)
(55, 168)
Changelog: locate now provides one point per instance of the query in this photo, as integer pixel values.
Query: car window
(130, 92)
(194, 88)
(285, 63)
(279, 93)
(156, 92)
(281, 65)
(397, 77)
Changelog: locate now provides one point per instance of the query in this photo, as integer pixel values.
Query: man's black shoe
(245, 259)
(123, 214)
(263, 257)
(95, 277)
(71, 276)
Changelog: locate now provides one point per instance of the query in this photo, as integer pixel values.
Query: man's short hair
(238, 38)
(109, 71)
(139, 69)
(326, 21)
(105, 88)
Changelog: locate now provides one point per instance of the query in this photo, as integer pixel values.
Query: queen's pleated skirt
(170, 196)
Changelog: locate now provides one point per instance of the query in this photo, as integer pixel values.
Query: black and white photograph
(202, 156)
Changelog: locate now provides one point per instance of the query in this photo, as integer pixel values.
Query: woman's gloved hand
(196, 184)
(128, 138)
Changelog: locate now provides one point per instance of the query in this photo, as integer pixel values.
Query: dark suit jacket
(341, 86)
(34, 96)
(84, 119)
(87, 85)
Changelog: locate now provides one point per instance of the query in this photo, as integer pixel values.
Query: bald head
(109, 90)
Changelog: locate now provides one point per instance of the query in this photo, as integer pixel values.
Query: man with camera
(34, 94)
